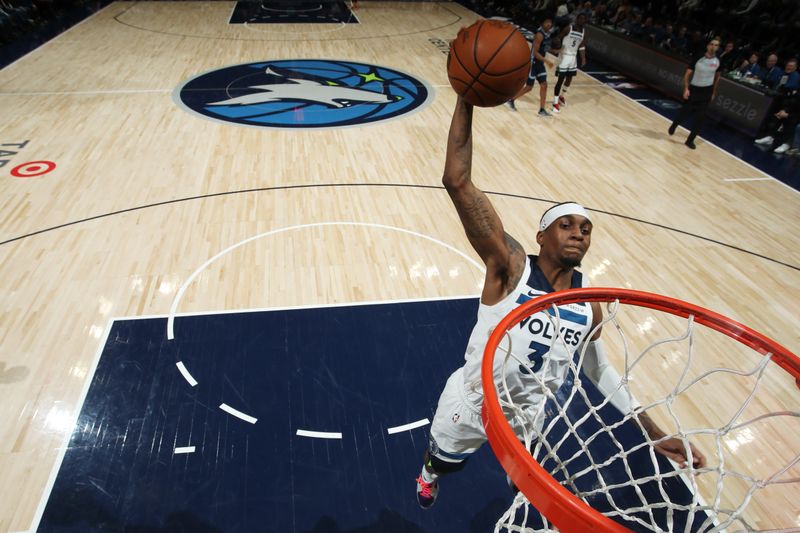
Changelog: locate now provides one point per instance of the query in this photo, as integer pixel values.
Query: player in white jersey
(572, 45)
(564, 234)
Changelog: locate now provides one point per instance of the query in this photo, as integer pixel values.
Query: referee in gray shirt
(700, 91)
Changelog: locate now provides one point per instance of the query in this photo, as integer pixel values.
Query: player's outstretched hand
(674, 449)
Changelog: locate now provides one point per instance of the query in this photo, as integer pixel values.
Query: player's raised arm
(503, 256)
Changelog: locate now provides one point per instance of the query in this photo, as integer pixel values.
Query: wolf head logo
(298, 89)
(303, 93)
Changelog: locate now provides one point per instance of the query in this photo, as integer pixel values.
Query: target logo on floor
(303, 93)
(32, 169)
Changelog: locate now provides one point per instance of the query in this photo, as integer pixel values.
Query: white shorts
(568, 65)
(457, 430)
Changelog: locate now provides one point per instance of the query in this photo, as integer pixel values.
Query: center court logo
(303, 93)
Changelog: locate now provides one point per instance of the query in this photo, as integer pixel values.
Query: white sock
(428, 477)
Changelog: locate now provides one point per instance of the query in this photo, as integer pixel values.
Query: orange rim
(565, 510)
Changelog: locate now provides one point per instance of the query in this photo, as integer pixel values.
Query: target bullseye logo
(32, 169)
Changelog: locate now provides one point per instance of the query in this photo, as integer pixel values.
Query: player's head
(547, 22)
(565, 233)
(580, 20)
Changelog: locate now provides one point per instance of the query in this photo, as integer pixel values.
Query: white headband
(554, 213)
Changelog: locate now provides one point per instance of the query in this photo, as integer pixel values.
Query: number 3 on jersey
(536, 357)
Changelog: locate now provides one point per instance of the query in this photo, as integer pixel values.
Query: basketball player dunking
(563, 235)
(572, 43)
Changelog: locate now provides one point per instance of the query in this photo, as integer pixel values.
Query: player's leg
(543, 98)
(525, 88)
(541, 77)
(522, 92)
(685, 110)
(434, 467)
(699, 106)
(562, 96)
(784, 134)
(567, 68)
(557, 91)
(455, 434)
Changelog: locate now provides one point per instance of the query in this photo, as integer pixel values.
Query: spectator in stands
(680, 42)
(622, 14)
(662, 34)
(790, 81)
(586, 10)
(619, 20)
(647, 30)
(633, 26)
(749, 67)
(600, 15)
(781, 126)
(772, 73)
(697, 43)
(727, 57)
(666, 37)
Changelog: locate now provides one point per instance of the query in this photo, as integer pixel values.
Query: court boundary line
(444, 6)
(399, 185)
(56, 36)
(189, 280)
(706, 141)
(62, 452)
(86, 93)
(336, 435)
(300, 307)
(408, 427)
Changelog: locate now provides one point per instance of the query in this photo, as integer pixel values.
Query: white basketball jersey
(571, 42)
(532, 340)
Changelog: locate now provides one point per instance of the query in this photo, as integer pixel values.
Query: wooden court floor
(144, 193)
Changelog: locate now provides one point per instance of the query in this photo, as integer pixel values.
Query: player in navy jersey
(563, 234)
(539, 62)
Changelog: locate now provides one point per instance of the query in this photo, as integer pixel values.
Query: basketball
(488, 63)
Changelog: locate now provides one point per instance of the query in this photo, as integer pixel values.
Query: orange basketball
(488, 62)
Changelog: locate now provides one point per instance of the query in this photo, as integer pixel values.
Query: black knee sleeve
(437, 466)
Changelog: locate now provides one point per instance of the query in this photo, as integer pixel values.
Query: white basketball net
(711, 509)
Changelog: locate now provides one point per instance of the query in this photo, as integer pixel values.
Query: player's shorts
(568, 65)
(457, 430)
(538, 73)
